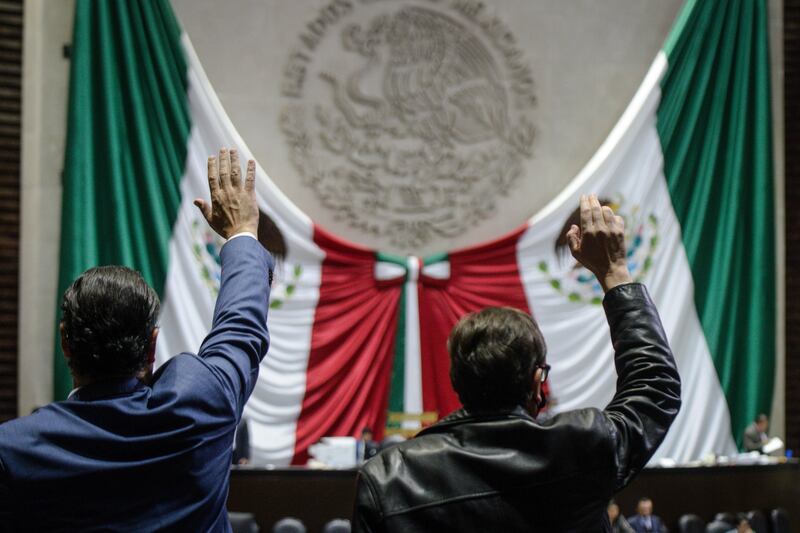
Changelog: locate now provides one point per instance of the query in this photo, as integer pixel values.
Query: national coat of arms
(575, 282)
(206, 247)
(427, 125)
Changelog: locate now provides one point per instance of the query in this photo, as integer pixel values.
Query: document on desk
(773, 445)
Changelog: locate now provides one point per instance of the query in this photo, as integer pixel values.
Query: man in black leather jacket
(491, 466)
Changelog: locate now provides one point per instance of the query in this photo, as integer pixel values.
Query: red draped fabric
(352, 347)
(480, 277)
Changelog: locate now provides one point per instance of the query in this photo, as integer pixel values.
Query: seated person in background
(241, 444)
(755, 435)
(742, 526)
(644, 521)
(126, 454)
(367, 447)
(492, 466)
(618, 522)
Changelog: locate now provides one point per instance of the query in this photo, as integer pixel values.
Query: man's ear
(536, 386)
(536, 393)
(151, 351)
(64, 344)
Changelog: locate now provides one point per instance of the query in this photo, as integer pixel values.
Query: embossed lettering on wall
(408, 118)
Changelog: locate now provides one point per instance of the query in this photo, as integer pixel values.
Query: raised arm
(648, 393)
(238, 339)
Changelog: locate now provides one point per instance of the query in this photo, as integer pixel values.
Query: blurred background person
(241, 444)
(755, 435)
(618, 522)
(644, 521)
(742, 525)
(367, 447)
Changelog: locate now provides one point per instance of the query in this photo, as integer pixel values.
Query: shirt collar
(105, 389)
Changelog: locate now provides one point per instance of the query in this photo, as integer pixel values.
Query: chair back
(758, 522)
(728, 518)
(339, 525)
(289, 525)
(243, 523)
(780, 521)
(691, 523)
(718, 526)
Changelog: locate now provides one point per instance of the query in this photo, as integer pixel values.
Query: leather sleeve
(239, 339)
(367, 513)
(648, 395)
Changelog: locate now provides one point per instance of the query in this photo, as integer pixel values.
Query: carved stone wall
(419, 126)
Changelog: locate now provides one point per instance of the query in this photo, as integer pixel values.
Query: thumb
(573, 239)
(204, 208)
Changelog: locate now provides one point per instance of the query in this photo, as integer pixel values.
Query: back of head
(109, 314)
(493, 357)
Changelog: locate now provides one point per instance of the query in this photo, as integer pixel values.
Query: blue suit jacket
(637, 523)
(122, 456)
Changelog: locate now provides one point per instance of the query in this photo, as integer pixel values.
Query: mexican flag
(358, 336)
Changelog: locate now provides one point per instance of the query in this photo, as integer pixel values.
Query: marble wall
(420, 126)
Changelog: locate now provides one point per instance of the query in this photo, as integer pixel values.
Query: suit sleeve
(648, 395)
(5, 499)
(239, 339)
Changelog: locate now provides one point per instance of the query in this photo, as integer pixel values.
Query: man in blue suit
(644, 521)
(130, 450)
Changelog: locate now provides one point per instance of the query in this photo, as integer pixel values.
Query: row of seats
(246, 523)
(778, 522)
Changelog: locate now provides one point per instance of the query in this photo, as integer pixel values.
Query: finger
(250, 179)
(597, 211)
(213, 175)
(236, 169)
(586, 214)
(224, 168)
(608, 216)
(204, 208)
(573, 239)
(620, 222)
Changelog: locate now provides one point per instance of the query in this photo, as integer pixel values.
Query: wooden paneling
(313, 496)
(791, 43)
(10, 124)
(316, 496)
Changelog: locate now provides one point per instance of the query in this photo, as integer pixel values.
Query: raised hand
(233, 207)
(599, 244)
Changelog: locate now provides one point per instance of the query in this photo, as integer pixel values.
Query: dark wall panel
(791, 43)
(10, 124)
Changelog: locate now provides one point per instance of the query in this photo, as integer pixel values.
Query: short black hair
(762, 418)
(109, 314)
(645, 499)
(493, 355)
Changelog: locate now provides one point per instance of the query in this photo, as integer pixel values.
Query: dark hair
(645, 499)
(493, 355)
(762, 418)
(109, 314)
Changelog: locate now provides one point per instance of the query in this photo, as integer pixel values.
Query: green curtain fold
(127, 129)
(715, 128)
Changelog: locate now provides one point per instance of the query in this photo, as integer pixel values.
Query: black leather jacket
(504, 471)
